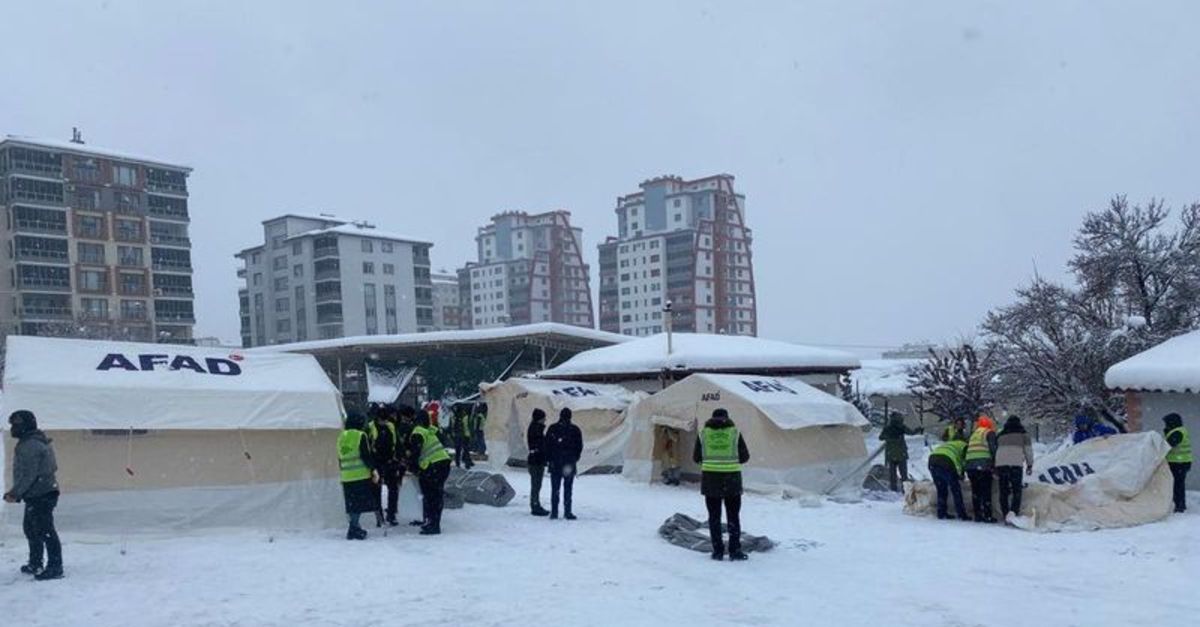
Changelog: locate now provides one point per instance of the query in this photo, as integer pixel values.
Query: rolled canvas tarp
(597, 409)
(165, 437)
(798, 436)
(1116, 481)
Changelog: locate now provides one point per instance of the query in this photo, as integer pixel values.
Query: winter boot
(31, 569)
(539, 511)
(569, 516)
(736, 555)
(50, 572)
(430, 531)
(718, 554)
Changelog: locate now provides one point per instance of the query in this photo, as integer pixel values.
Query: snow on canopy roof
(787, 402)
(359, 231)
(577, 395)
(88, 384)
(88, 149)
(447, 337)
(884, 377)
(1173, 366)
(701, 352)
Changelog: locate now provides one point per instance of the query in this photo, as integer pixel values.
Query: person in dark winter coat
(563, 448)
(428, 456)
(34, 482)
(385, 445)
(1014, 450)
(535, 441)
(460, 425)
(1179, 458)
(356, 462)
(895, 450)
(720, 451)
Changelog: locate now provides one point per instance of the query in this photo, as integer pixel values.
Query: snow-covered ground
(847, 564)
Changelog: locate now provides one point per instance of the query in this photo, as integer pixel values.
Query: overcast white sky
(905, 164)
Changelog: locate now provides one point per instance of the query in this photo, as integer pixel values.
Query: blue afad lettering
(758, 385)
(576, 391)
(1058, 475)
(156, 361)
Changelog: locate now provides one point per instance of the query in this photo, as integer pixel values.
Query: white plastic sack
(1117, 481)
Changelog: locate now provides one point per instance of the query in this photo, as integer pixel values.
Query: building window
(283, 325)
(297, 247)
(370, 308)
(257, 278)
(283, 304)
(90, 253)
(368, 267)
(133, 309)
(389, 268)
(90, 226)
(277, 242)
(132, 284)
(279, 263)
(93, 281)
(94, 308)
(298, 270)
(130, 256)
(125, 175)
(367, 246)
(255, 258)
(678, 202)
(128, 230)
(386, 247)
(281, 283)
(389, 309)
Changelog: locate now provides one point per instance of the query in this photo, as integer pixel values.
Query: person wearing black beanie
(563, 447)
(34, 469)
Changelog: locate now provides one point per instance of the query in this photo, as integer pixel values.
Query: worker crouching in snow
(720, 450)
(429, 457)
(356, 462)
(946, 468)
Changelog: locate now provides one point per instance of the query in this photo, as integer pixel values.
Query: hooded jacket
(535, 441)
(564, 442)
(34, 466)
(1014, 447)
(720, 484)
(895, 447)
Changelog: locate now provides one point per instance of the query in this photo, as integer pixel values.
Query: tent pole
(341, 381)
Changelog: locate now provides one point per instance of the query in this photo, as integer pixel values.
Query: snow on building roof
(883, 377)
(360, 231)
(1173, 366)
(693, 352)
(447, 337)
(89, 149)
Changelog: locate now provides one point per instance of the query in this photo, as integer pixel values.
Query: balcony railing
(170, 240)
(46, 285)
(52, 313)
(163, 186)
(329, 297)
(41, 254)
(329, 319)
(174, 290)
(325, 275)
(17, 166)
(177, 266)
(174, 316)
(40, 226)
(325, 251)
(167, 212)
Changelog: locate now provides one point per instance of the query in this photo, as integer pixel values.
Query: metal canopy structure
(527, 348)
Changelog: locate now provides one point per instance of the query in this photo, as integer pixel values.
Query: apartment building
(685, 242)
(97, 243)
(321, 277)
(530, 269)
(447, 313)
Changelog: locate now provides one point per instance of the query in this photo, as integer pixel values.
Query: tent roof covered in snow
(694, 352)
(87, 384)
(577, 396)
(885, 377)
(1173, 366)
(788, 403)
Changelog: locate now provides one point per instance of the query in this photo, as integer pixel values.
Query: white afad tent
(597, 409)
(155, 436)
(798, 436)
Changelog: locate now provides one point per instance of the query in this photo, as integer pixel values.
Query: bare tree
(952, 384)
(1138, 283)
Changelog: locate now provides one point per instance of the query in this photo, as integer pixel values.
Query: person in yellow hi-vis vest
(357, 467)
(1179, 458)
(429, 459)
(721, 451)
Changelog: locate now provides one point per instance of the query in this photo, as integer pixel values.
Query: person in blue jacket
(1087, 428)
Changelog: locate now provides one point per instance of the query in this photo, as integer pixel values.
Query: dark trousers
(1179, 471)
(733, 513)
(39, 530)
(462, 451)
(946, 480)
(1011, 484)
(433, 482)
(536, 472)
(897, 469)
(391, 479)
(981, 493)
(561, 476)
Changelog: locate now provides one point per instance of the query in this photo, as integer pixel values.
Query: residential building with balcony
(530, 269)
(321, 277)
(685, 242)
(96, 238)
